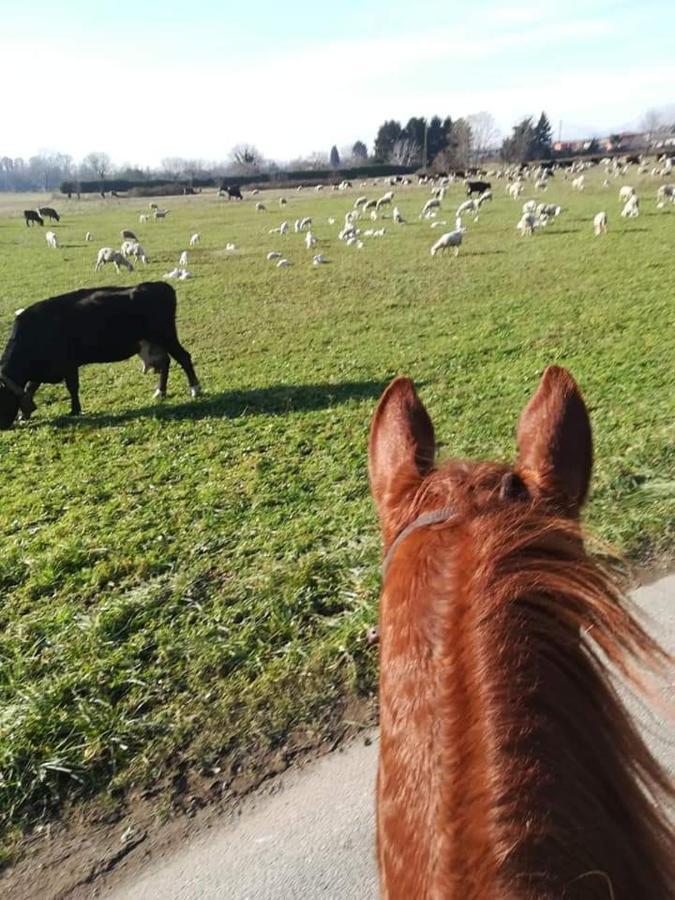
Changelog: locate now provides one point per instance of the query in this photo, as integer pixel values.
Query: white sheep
(282, 229)
(515, 190)
(133, 248)
(143, 218)
(195, 239)
(632, 208)
(230, 247)
(310, 240)
(180, 274)
(625, 193)
(578, 183)
(283, 264)
(449, 239)
(183, 259)
(385, 199)
(529, 207)
(331, 220)
(398, 218)
(110, 255)
(527, 224)
(432, 203)
(469, 206)
(319, 260)
(600, 223)
(51, 239)
(665, 192)
(160, 213)
(360, 201)
(305, 223)
(89, 236)
(273, 254)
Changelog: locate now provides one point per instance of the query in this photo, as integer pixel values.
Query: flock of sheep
(534, 215)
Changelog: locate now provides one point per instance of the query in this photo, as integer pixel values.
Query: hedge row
(314, 175)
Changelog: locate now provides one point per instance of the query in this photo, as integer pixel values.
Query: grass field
(187, 583)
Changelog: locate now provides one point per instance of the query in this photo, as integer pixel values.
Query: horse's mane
(541, 764)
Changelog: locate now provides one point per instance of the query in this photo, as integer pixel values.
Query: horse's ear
(402, 444)
(555, 447)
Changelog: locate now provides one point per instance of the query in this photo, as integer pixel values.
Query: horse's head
(552, 468)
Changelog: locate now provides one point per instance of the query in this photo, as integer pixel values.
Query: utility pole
(426, 134)
(560, 131)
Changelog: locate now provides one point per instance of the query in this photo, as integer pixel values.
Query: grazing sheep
(50, 237)
(283, 264)
(432, 203)
(360, 201)
(485, 196)
(530, 206)
(180, 274)
(273, 254)
(578, 183)
(260, 206)
(469, 206)
(89, 236)
(527, 224)
(600, 223)
(127, 235)
(398, 218)
(666, 192)
(282, 229)
(384, 200)
(110, 255)
(142, 219)
(319, 260)
(548, 209)
(133, 248)
(331, 220)
(310, 240)
(160, 213)
(632, 208)
(183, 259)
(305, 223)
(515, 190)
(449, 239)
(230, 246)
(625, 193)
(195, 239)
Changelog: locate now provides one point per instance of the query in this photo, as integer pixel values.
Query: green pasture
(184, 584)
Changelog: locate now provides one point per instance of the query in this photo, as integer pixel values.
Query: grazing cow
(53, 338)
(31, 216)
(232, 190)
(477, 187)
(48, 213)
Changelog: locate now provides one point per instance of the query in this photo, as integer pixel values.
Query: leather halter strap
(25, 401)
(431, 518)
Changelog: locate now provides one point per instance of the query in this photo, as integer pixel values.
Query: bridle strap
(431, 518)
(25, 401)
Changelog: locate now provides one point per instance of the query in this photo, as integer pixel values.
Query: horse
(508, 767)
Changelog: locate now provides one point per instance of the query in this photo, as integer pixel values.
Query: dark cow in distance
(477, 187)
(31, 216)
(53, 338)
(232, 190)
(48, 213)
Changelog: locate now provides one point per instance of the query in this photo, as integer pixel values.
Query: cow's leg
(30, 389)
(73, 385)
(163, 369)
(174, 348)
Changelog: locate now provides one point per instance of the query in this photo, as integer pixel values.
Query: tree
(405, 152)
(360, 151)
(484, 132)
(651, 121)
(459, 144)
(97, 164)
(542, 139)
(388, 134)
(517, 148)
(245, 158)
(438, 134)
(334, 157)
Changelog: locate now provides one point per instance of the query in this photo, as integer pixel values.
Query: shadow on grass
(546, 232)
(277, 400)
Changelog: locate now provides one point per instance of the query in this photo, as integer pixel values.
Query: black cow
(52, 339)
(232, 190)
(477, 187)
(31, 216)
(48, 213)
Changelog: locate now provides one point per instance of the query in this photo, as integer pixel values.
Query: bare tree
(405, 152)
(245, 158)
(484, 134)
(97, 164)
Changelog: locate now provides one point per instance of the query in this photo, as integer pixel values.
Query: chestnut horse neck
(530, 779)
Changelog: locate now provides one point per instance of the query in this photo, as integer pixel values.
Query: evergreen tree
(389, 133)
(360, 151)
(334, 157)
(437, 136)
(518, 147)
(542, 141)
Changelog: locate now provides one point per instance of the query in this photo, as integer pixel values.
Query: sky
(146, 81)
